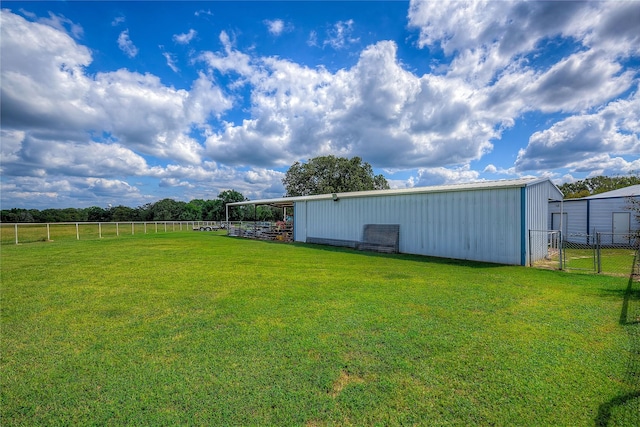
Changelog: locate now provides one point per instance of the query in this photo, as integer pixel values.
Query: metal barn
(606, 213)
(483, 221)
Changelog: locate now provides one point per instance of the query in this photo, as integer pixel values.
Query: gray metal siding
(601, 214)
(537, 218)
(481, 225)
(300, 222)
(576, 215)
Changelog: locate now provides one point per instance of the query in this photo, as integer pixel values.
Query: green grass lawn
(193, 328)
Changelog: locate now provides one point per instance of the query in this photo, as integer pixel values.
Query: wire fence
(606, 253)
(42, 232)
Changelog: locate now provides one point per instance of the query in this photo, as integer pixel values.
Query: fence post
(100, 230)
(560, 248)
(48, 233)
(16, 228)
(117, 229)
(598, 253)
(77, 232)
(530, 257)
(132, 225)
(145, 227)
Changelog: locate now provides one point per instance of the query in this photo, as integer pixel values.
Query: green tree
(237, 213)
(331, 174)
(191, 212)
(123, 213)
(166, 210)
(96, 214)
(596, 185)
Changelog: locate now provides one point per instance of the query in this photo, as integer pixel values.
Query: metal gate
(607, 253)
(579, 252)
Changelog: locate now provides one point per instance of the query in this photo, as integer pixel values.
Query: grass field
(192, 328)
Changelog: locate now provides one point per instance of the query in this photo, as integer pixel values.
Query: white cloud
(118, 20)
(203, 12)
(277, 26)
(231, 60)
(340, 35)
(51, 108)
(313, 39)
(575, 141)
(490, 169)
(171, 62)
(376, 110)
(578, 82)
(63, 24)
(442, 176)
(185, 38)
(126, 45)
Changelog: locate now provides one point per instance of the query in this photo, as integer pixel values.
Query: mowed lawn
(194, 328)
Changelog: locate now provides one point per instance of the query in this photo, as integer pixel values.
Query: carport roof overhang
(482, 185)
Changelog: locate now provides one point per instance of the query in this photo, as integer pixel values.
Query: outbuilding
(483, 221)
(609, 214)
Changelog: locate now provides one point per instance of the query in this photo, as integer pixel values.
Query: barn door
(621, 223)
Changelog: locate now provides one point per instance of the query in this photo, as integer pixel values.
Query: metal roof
(479, 185)
(632, 190)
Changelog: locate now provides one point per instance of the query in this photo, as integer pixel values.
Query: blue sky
(127, 103)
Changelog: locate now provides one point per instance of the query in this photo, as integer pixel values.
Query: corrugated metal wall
(537, 218)
(481, 225)
(600, 214)
(575, 215)
(300, 222)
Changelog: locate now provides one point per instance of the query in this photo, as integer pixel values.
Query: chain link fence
(606, 253)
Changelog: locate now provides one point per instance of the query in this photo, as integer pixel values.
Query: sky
(127, 103)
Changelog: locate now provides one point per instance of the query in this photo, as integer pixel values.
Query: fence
(41, 232)
(607, 253)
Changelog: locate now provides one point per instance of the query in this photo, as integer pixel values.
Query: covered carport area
(255, 229)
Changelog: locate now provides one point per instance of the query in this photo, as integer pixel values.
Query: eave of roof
(632, 190)
(480, 185)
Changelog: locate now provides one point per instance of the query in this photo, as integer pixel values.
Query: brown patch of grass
(344, 380)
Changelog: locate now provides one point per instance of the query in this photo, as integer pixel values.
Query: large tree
(331, 174)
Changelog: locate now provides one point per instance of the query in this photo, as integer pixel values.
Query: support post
(560, 247)
(598, 253)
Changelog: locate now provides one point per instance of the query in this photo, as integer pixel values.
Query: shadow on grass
(408, 257)
(630, 320)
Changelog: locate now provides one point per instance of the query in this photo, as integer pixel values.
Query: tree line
(320, 175)
(162, 210)
(596, 185)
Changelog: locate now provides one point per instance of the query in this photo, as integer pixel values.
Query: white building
(482, 221)
(607, 213)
